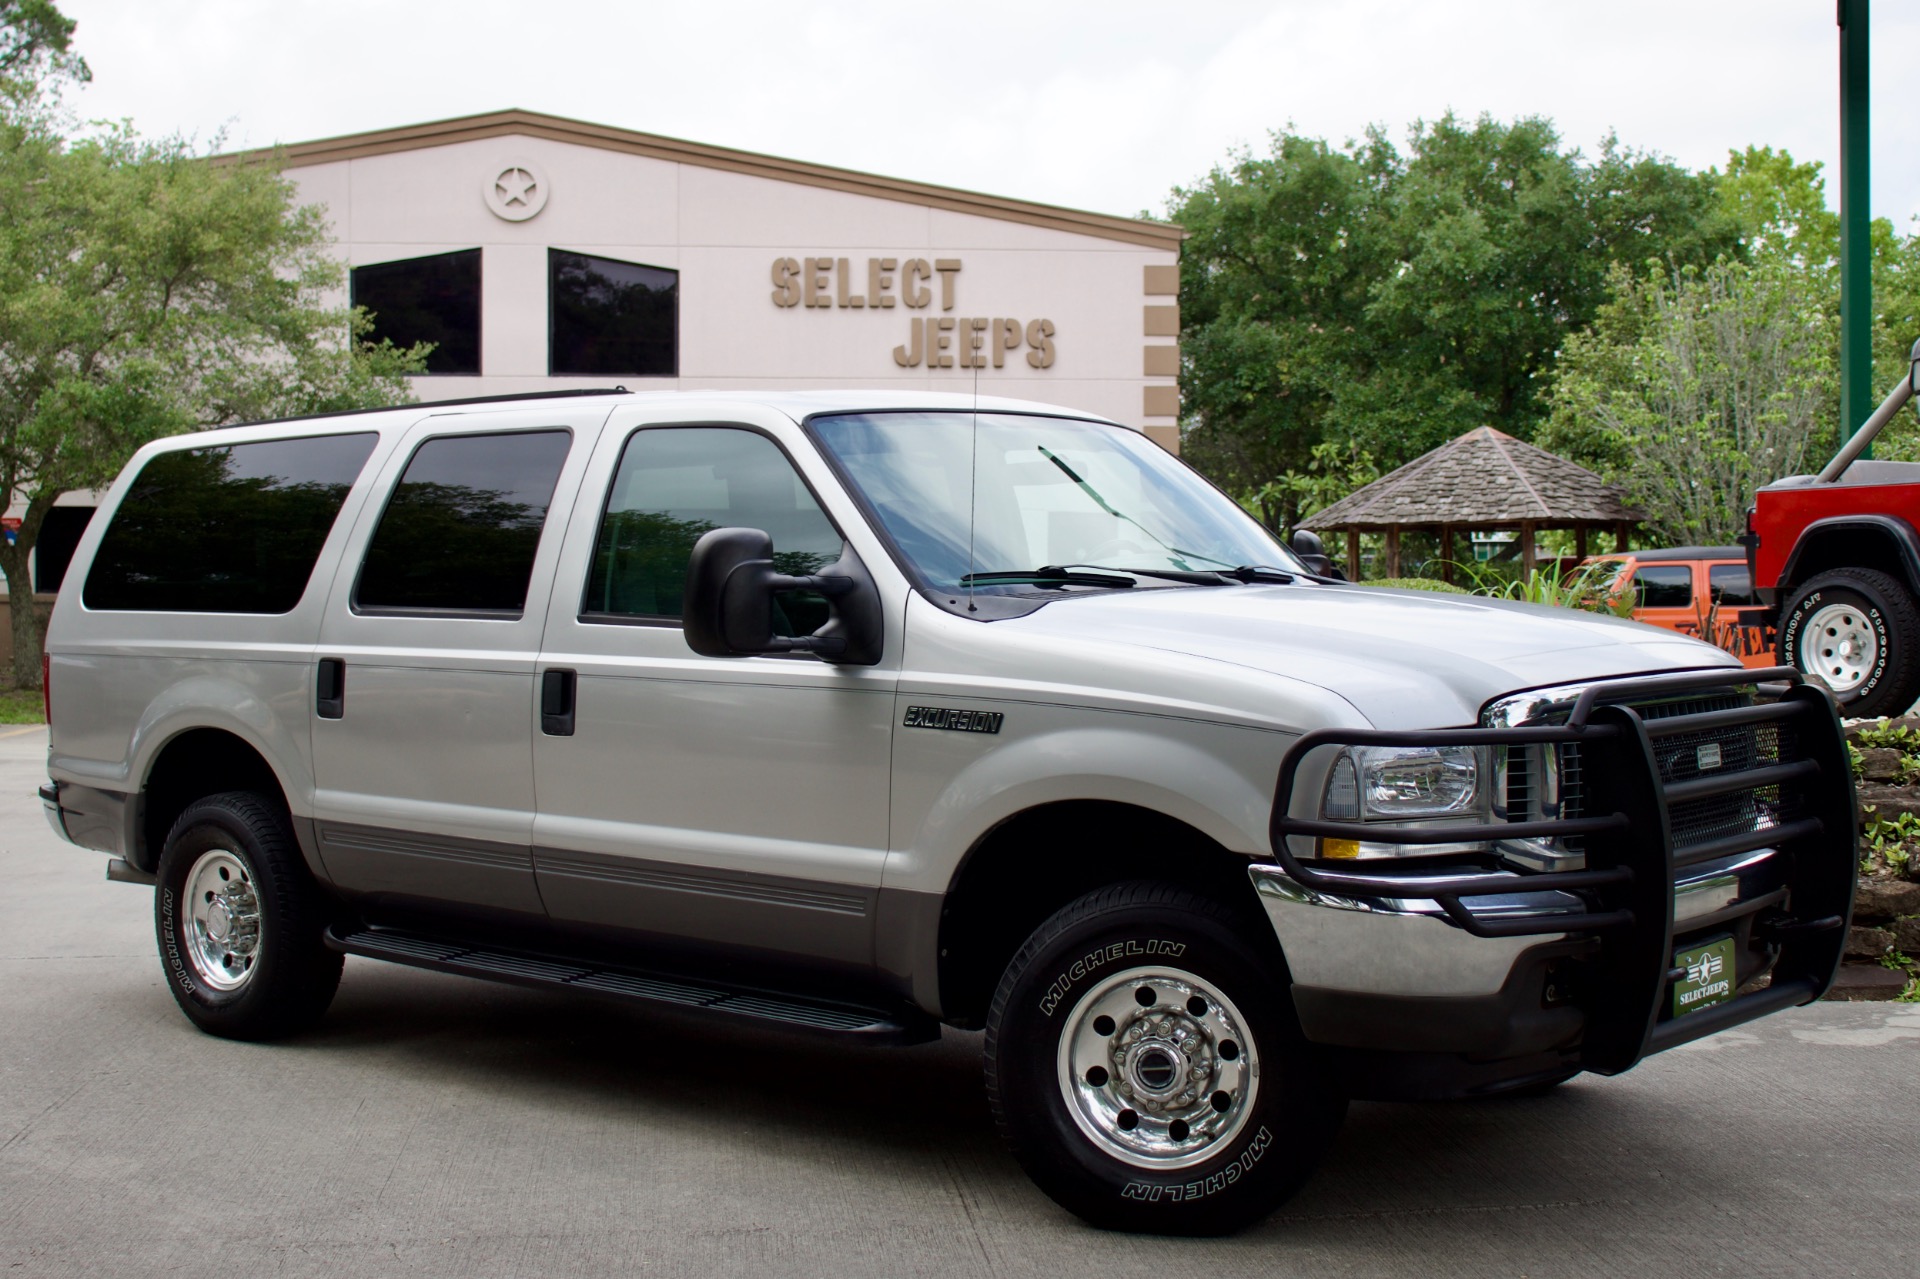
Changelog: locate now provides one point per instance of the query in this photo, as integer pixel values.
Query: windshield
(1021, 493)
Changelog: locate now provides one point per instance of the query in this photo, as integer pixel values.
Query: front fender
(1215, 778)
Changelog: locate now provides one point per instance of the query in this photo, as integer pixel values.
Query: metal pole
(1861, 445)
(1856, 252)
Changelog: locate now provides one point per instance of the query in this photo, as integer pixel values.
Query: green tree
(1389, 300)
(1694, 387)
(146, 289)
(36, 45)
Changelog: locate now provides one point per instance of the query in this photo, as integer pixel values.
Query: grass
(21, 706)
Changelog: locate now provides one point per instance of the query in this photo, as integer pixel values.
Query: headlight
(1396, 784)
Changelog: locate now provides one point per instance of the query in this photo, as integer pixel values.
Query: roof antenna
(973, 481)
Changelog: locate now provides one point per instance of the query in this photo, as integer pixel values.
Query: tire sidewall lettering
(1876, 617)
(1099, 957)
(1211, 1184)
(170, 941)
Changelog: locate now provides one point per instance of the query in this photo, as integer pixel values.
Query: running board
(547, 972)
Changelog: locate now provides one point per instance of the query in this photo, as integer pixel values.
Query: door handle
(556, 703)
(330, 689)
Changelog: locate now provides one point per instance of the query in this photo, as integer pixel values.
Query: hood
(1403, 659)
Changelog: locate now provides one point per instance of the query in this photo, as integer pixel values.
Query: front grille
(1693, 822)
(1520, 787)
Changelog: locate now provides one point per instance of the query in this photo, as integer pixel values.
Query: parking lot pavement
(439, 1126)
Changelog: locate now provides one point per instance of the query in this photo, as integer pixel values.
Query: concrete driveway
(440, 1126)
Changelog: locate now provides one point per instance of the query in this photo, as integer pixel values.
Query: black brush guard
(1627, 888)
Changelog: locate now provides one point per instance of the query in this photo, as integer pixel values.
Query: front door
(424, 689)
(732, 801)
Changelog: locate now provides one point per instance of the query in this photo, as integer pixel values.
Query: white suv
(862, 713)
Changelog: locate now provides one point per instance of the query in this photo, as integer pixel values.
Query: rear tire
(239, 921)
(1858, 629)
(1145, 1067)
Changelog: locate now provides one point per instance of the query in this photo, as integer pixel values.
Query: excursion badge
(952, 720)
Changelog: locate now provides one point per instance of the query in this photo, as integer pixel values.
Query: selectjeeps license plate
(1709, 976)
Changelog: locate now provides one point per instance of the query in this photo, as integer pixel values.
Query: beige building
(541, 252)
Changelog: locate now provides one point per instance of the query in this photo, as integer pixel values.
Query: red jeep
(1836, 560)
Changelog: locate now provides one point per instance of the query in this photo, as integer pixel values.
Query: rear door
(424, 688)
(738, 802)
(1730, 593)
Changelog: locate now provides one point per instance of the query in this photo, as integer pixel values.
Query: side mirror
(1313, 553)
(731, 583)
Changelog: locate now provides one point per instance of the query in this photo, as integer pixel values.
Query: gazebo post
(1353, 554)
(1620, 535)
(1580, 541)
(1526, 546)
(1446, 554)
(1393, 551)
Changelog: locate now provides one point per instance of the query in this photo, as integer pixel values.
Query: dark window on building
(461, 529)
(225, 530)
(1664, 586)
(1731, 586)
(53, 549)
(608, 317)
(434, 299)
(673, 485)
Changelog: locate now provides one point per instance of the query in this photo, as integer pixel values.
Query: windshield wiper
(1050, 575)
(1103, 504)
(1251, 573)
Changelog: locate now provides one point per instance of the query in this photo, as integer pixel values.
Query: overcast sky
(1103, 106)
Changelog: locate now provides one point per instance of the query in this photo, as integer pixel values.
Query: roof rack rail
(435, 404)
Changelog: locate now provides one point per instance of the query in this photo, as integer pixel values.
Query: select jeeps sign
(933, 341)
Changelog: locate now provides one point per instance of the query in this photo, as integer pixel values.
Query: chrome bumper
(1408, 947)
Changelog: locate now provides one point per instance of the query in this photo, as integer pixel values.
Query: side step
(545, 972)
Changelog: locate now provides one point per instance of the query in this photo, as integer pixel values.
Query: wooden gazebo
(1483, 481)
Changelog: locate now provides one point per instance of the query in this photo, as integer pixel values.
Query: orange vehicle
(1700, 591)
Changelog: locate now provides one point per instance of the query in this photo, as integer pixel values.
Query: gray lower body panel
(830, 923)
(377, 862)
(89, 816)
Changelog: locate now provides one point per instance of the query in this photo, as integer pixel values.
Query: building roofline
(515, 122)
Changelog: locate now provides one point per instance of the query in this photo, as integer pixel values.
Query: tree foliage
(1388, 300)
(1694, 387)
(146, 288)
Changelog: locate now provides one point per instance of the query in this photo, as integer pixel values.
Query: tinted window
(674, 485)
(53, 549)
(1730, 584)
(463, 524)
(1664, 586)
(434, 299)
(609, 317)
(225, 530)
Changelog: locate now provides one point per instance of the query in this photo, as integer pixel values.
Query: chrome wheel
(1157, 1068)
(221, 920)
(1840, 646)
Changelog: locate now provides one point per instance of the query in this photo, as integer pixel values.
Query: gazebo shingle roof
(1485, 477)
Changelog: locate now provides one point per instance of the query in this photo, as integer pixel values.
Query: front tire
(1859, 631)
(239, 921)
(1144, 1066)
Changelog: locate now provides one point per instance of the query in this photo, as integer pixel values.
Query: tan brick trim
(1167, 437)
(1160, 401)
(531, 124)
(1162, 281)
(1162, 321)
(1162, 359)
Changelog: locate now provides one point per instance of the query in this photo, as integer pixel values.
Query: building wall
(1108, 301)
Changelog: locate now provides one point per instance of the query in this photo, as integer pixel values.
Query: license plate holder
(1709, 976)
